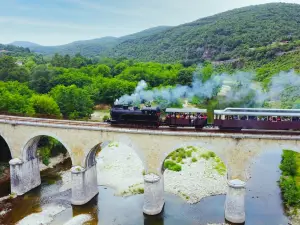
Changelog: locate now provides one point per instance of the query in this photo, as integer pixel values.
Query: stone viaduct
(82, 139)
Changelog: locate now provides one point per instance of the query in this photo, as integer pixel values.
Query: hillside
(89, 48)
(13, 50)
(232, 34)
(24, 44)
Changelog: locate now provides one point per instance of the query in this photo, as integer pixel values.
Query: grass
(113, 144)
(133, 189)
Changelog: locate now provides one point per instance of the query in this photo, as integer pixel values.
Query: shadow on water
(263, 203)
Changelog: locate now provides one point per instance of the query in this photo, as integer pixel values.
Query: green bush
(170, 165)
(105, 118)
(212, 154)
(45, 153)
(290, 191)
(194, 159)
(288, 164)
(189, 153)
(205, 156)
(179, 159)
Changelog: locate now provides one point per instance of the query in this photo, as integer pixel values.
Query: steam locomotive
(227, 119)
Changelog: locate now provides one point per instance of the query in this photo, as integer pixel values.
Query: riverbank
(119, 167)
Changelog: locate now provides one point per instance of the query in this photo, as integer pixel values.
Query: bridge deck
(88, 125)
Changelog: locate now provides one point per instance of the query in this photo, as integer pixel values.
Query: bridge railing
(50, 121)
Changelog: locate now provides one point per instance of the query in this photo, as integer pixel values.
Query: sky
(56, 22)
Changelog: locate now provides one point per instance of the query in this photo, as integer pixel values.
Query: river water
(263, 202)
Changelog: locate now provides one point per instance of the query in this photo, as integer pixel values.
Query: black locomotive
(125, 115)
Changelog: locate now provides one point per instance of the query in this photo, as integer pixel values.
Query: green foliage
(291, 193)
(105, 118)
(45, 105)
(14, 98)
(289, 181)
(170, 165)
(194, 159)
(49, 147)
(288, 164)
(73, 102)
(208, 155)
(220, 166)
(44, 153)
(243, 32)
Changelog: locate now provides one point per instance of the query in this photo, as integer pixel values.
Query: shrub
(179, 159)
(45, 153)
(189, 153)
(170, 165)
(194, 159)
(288, 164)
(205, 156)
(290, 192)
(211, 154)
(105, 118)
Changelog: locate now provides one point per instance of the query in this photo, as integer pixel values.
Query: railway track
(162, 128)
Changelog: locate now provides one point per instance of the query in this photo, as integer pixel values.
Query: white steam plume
(231, 88)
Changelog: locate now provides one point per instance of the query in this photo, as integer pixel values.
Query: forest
(66, 86)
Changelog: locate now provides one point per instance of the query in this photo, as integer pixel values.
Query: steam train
(227, 119)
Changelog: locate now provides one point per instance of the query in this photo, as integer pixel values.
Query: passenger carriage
(257, 118)
(188, 117)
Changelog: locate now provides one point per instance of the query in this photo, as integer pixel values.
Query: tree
(45, 105)
(39, 79)
(10, 71)
(185, 76)
(74, 102)
(103, 70)
(14, 98)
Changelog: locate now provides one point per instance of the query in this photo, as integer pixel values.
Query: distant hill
(259, 32)
(224, 36)
(24, 44)
(89, 48)
(14, 50)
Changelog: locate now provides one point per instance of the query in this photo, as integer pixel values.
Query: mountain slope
(94, 47)
(223, 36)
(24, 44)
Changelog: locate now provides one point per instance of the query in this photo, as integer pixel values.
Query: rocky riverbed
(119, 167)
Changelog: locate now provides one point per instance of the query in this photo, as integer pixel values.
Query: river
(263, 202)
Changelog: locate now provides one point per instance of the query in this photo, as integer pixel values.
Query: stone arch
(90, 159)
(91, 152)
(6, 140)
(6, 153)
(29, 150)
(206, 145)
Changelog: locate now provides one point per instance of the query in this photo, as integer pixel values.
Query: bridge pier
(235, 202)
(84, 184)
(153, 194)
(24, 176)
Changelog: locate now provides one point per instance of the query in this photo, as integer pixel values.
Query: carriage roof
(262, 110)
(185, 110)
(259, 112)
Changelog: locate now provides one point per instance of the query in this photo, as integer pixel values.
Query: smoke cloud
(229, 89)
